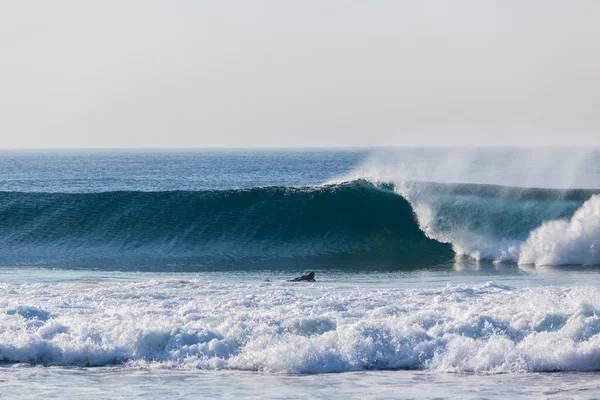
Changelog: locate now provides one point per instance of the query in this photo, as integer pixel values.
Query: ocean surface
(440, 273)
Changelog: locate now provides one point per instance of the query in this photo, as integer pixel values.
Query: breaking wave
(355, 222)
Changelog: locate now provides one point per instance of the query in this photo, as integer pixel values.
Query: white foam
(284, 328)
(576, 241)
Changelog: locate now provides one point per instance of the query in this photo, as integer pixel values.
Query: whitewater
(441, 273)
(301, 329)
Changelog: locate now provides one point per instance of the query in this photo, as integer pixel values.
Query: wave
(272, 226)
(286, 328)
(343, 224)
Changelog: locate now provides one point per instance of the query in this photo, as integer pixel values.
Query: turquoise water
(440, 273)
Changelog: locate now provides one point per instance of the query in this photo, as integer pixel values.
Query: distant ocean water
(436, 261)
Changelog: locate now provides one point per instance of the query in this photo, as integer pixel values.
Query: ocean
(467, 273)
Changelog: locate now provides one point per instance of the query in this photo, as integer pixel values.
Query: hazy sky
(299, 73)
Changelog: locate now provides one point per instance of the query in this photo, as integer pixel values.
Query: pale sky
(192, 73)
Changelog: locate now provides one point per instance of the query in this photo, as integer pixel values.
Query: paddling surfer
(310, 277)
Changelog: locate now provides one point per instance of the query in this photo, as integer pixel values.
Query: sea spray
(503, 223)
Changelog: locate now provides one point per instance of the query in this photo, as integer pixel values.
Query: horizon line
(303, 147)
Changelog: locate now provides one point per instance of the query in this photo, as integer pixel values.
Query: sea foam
(295, 328)
(573, 241)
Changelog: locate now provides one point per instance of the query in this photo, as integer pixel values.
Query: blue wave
(352, 223)
(267, 227)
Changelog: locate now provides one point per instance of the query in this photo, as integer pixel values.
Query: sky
(193, 73)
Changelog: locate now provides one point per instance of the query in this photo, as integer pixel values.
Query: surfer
(310, 277)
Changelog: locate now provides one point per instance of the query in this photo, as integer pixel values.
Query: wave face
(343, 223)
(355, 223)
(288, 328)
